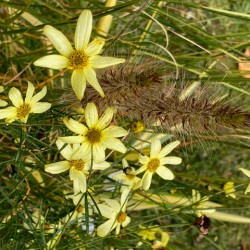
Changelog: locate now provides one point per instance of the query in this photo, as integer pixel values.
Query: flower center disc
(153, 165)
(121, 217)
(93, 135)
(23, 110)
(78, 60)
(77, 164)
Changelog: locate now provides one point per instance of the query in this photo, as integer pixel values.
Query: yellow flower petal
(155, 146)
(24, 119)
(248, 189)
(80, 177)
(3, 103)
(105, 119)
(78, 82)
(38, 96)
(82, 153)
(245, 171)
(75, 126)
(106, 227)
(91, 114)
(101, 166)
(146, 180)
(115, 131)
(115, 144)
(16, 97)
(99, 62)
(94, 47)
(30, 92)
(60, 42)
(65, 150)
(106, 211)
(72, 139)
(8, 113)
(126, 222)
(143, 159)
(40, 107)
(168, 148)
(165, 173)
(57, 167)
(52, 62)
(114, 204)
(98, 153)
(83, 30)
(173, 160)
(92, 80)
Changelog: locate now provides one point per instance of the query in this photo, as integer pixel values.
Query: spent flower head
(155, 162)
(97, 136)
(116, 213)
(78, 162)
(23, 108)
(83, 59)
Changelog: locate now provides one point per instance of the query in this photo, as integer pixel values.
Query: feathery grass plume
(146, 92)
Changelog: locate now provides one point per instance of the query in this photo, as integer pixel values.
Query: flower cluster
(83, 153)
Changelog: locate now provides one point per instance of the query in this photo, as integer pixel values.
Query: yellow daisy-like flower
(116, 214)
(98, 135)
(22, 108)
(247, 173)
(83, 59)
(78, 162)
(155, 163)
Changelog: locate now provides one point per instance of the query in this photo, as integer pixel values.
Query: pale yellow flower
(155, 163)
(22, 108)
(247, 173)
(229, 189)
(2, 103)
(115, 212)
(78, 162)
(83, 59)
(98, 135)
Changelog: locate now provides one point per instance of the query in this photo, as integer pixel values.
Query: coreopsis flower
(78, 162)
(128, 178)
(115, 212)
(229, 189)
(2, 103)
(83, 59)
(22, 108)
(97, 136)
(247, 173)
(155, 162)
